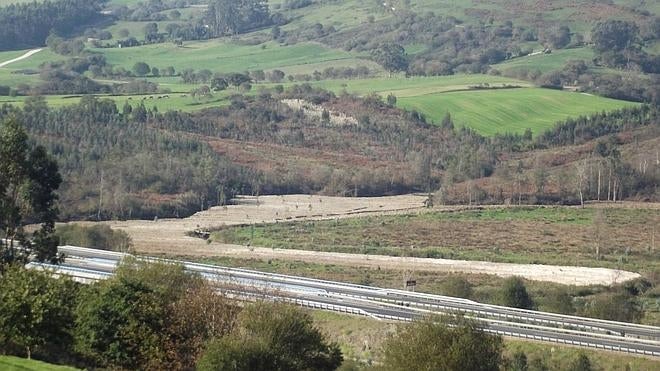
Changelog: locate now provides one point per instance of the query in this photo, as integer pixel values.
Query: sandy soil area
(168, 236)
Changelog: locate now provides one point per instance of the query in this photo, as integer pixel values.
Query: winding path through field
(24, 56)
(168, 237)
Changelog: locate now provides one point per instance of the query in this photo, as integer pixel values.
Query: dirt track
(24, 56)
(167, 236)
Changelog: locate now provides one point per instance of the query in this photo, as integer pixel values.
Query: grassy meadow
(14, 73)
(410, 87)
(547, 62)
(9, 363)
(510, 110)
(224, 56)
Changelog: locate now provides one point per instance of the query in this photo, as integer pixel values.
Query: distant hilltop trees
(28, 25)
(231, 17)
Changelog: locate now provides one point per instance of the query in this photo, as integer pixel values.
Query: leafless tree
(580, 175)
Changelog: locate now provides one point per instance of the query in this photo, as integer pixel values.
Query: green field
(174, 102)
(8, 363)
(547, 62)
(9, 75)
(510, 110)
(414, 86)
(225, 56)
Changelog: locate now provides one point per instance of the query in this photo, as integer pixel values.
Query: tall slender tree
(28, 180)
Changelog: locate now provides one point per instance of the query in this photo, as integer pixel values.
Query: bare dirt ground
(168, 236)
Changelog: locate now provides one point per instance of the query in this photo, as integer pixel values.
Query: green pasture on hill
(509, 110)
(402, 86)
(176, 101)
(13, 74)
(224, 56)
(547, 62)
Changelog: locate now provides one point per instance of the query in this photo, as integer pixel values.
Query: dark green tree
(28, 181)
(141, 69)
(36, 312)
(580, 363)
(391, 100)
(514, 294)
(519, 362)
(457, 286)
(236, 79)
(219, 83)
(443, 344)
(272, 337)
(122, 322)
(558, 300)
(151, 32)
(615, 306)
(231, 17)
(447, 122)
(232, 353)
(614, 35)
(559, 37)
(391, 56)
(140, 113)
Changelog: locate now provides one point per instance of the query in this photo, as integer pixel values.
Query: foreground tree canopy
(36, 312)
(28, 180)
(442, 344)
(273, 337)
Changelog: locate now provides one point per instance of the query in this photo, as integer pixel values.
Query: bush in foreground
(442, 344)
(273, 337)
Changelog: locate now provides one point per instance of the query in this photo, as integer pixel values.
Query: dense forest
(99, 147)
(306, 140)
(28, 25)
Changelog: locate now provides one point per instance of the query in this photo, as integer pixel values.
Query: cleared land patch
(169, 237)
(510, 235)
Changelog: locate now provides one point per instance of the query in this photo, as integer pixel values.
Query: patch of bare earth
(168, 236)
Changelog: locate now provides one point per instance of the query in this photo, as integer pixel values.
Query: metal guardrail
(366, 290)
(369, 289)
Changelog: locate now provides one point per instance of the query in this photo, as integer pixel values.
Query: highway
(87, 265)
